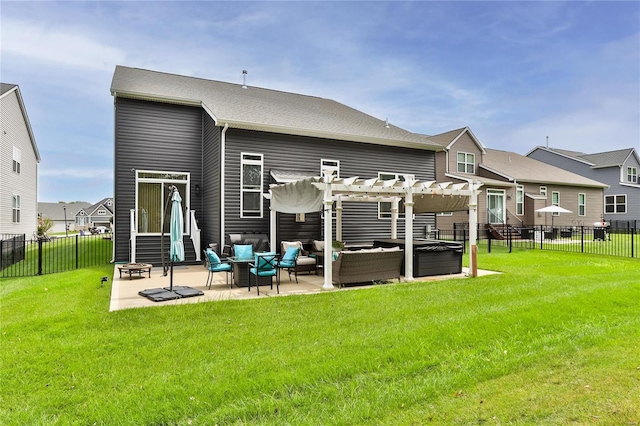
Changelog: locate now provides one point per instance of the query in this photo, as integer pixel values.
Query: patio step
(148, 250)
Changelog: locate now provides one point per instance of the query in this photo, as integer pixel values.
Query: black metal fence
(621, 240)
(21, 257)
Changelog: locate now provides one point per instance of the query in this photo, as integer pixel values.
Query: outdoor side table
(138, 268)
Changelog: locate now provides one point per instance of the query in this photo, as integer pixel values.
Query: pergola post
(339, 218)
(328, 219)
(473, 230)
(408, 230)
(272, 228)
(394, 218)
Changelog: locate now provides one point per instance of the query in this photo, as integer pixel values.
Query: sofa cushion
(318, 245)
(306, 260)
(286, 244)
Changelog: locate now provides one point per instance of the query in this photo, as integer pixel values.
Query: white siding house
(19, 160)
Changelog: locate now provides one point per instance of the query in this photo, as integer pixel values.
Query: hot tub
(431, 257)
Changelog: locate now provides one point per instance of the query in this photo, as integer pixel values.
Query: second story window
(251, 185)
(466, 162)
(332, 166)
(543, 190)
(384, 207)
(16, 160)
(632, 174)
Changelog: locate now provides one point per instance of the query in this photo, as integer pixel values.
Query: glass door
(495, 206)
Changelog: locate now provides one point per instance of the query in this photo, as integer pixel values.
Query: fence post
(582, 238)
(632, 233)
(76, 251)
(39, 256)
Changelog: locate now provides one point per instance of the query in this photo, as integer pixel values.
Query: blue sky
(514, 72)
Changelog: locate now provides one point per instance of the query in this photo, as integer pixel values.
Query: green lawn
(553, 340)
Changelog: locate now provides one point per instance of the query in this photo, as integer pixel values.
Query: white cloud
(65, 47)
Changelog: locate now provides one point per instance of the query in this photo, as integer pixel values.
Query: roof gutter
(223, 149)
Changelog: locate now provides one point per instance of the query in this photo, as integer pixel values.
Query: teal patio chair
(214, 264)
(265, 265)
(289, 261)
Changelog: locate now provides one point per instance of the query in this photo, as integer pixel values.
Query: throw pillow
(291, 254)
(244, 252)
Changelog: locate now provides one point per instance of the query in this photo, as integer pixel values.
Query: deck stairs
(500, 231)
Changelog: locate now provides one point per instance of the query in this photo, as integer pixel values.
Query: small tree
(44, 224)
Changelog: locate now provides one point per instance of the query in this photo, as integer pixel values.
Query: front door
(495, 206)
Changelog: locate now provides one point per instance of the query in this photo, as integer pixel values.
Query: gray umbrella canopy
(177, 247)
(553, 209)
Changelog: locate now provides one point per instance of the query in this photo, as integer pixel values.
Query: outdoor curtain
(296, 197)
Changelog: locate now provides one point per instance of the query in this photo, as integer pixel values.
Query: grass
(553, 340)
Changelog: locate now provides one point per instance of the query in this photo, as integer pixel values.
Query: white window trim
(543, 190)
(555, 203)
(466, 162)
(633, 172)
(185, 197)
(383, 215)
(520, 200)
(17, 160)
(583, 204)
(324, 166)
(101, 213)
(615, 204)
(16, 208)
(260, 163)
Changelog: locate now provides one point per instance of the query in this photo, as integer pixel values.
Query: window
(543, 190)
(16, 209)
(519, 200)
(17, 156)
(615, 203)
(582, 204)
(466, 162)
(102, 212)
(251, 185)
(555, 200)
(384, 207)
(332, 166)
(632, 174)
(151, 198)
(444, 214)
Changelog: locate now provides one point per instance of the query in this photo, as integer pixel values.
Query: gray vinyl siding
(210, 186)
(607, 175)
(151, 136)
(287, 152)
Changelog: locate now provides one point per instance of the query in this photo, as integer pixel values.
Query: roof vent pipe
(386, 123)
(244, 79)
(547, 142)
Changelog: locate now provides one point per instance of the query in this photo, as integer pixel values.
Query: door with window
(152, 195)
(495, 206)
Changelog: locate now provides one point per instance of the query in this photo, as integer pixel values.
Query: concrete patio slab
(124, 291)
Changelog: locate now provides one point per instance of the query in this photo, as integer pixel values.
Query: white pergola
(418, 196)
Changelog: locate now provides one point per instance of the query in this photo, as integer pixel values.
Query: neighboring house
(514, 186)
(222, 144)
(619, 169)
(19, 160)
(98, 214)
(62, 214)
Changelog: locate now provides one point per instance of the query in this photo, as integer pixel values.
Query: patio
(124, 291)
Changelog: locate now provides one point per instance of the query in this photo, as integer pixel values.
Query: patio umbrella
(553, 209)
(176, 253)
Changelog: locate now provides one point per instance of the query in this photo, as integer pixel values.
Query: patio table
(139, 268)
(241, 274)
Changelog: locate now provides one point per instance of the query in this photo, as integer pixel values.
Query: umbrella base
(164, 294)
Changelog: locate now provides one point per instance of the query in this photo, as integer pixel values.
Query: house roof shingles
(256, 108)
(525, 169)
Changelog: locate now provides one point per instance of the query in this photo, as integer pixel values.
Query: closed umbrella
(177, 247)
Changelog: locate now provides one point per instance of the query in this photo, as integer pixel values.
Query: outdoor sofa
(367, 265)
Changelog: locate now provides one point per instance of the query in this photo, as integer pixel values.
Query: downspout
(223, 149)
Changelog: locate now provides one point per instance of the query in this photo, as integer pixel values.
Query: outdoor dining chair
(265, 265)
(214, 264)
(289, 261)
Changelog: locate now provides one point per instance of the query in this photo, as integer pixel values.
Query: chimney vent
(244, 79)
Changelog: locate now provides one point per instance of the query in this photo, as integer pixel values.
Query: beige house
(514, 186)
(19, 160)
